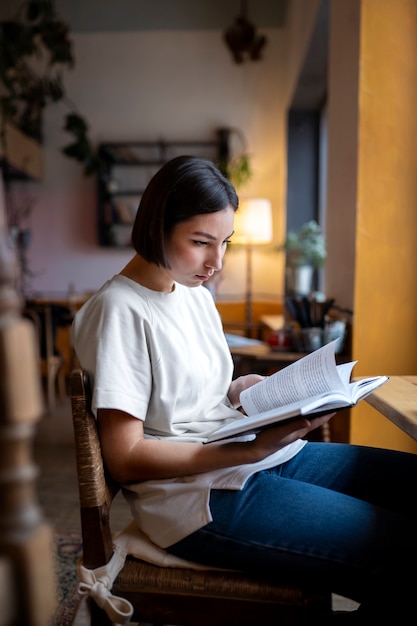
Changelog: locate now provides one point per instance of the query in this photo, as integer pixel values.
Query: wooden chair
(51, 362)
(164, 595)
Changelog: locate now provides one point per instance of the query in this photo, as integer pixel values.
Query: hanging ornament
(242, 39)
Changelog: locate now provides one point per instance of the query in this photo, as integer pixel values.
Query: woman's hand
(240, 384)
(271, 439)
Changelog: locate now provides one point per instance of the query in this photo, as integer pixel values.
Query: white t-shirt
(163, 358)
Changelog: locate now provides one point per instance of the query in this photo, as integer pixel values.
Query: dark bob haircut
(183, 187)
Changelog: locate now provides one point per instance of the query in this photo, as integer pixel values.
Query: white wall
(151, 85)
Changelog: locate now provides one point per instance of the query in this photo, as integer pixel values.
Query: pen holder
(310, 339)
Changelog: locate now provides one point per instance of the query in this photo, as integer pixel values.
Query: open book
(311, 386)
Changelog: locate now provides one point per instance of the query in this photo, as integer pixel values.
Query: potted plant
(35, 49)
(305, 252)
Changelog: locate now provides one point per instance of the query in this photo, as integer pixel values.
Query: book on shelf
(310, 387)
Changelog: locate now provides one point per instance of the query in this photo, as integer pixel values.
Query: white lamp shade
(253, 221)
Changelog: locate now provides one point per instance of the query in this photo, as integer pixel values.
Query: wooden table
(397, 400)
(273, 322)
(61, 330)
(259, 358)
(73, 301)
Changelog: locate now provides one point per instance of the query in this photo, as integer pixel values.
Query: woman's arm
(131, 457)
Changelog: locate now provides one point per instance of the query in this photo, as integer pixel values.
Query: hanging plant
(81, 148)
(35, 49)
(238, 170)
(237, 166)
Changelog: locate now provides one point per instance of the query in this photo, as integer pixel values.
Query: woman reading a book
(153, 344)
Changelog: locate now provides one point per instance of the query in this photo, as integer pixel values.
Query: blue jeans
(341, 515)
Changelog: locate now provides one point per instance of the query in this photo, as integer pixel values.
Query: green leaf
(92, 165)
(75, 124)
(78, 150)
(55, 36)
(38, 33)
(8, 108)
(55, 89)
(33, 10)
(305, 247)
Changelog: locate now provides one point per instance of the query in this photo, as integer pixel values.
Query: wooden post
(28, 590)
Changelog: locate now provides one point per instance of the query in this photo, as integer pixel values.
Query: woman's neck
(148, 275)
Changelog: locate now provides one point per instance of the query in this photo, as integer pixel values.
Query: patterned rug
(68, 549)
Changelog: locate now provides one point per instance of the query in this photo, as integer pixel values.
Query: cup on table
(280, 339)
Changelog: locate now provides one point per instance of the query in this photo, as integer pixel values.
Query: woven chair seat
(174, 595)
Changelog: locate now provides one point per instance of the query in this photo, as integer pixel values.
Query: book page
(362, 388)
(312, 375)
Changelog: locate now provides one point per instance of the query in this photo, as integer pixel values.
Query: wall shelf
(126, 171)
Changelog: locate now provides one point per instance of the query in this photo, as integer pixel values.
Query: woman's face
(195, 248)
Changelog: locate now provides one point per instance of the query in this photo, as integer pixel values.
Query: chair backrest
(41, 316)
(96, 487)
(48, 317)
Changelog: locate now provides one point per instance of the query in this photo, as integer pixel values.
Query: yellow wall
(372, 192)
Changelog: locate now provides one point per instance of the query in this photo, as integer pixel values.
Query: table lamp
(253, 225)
